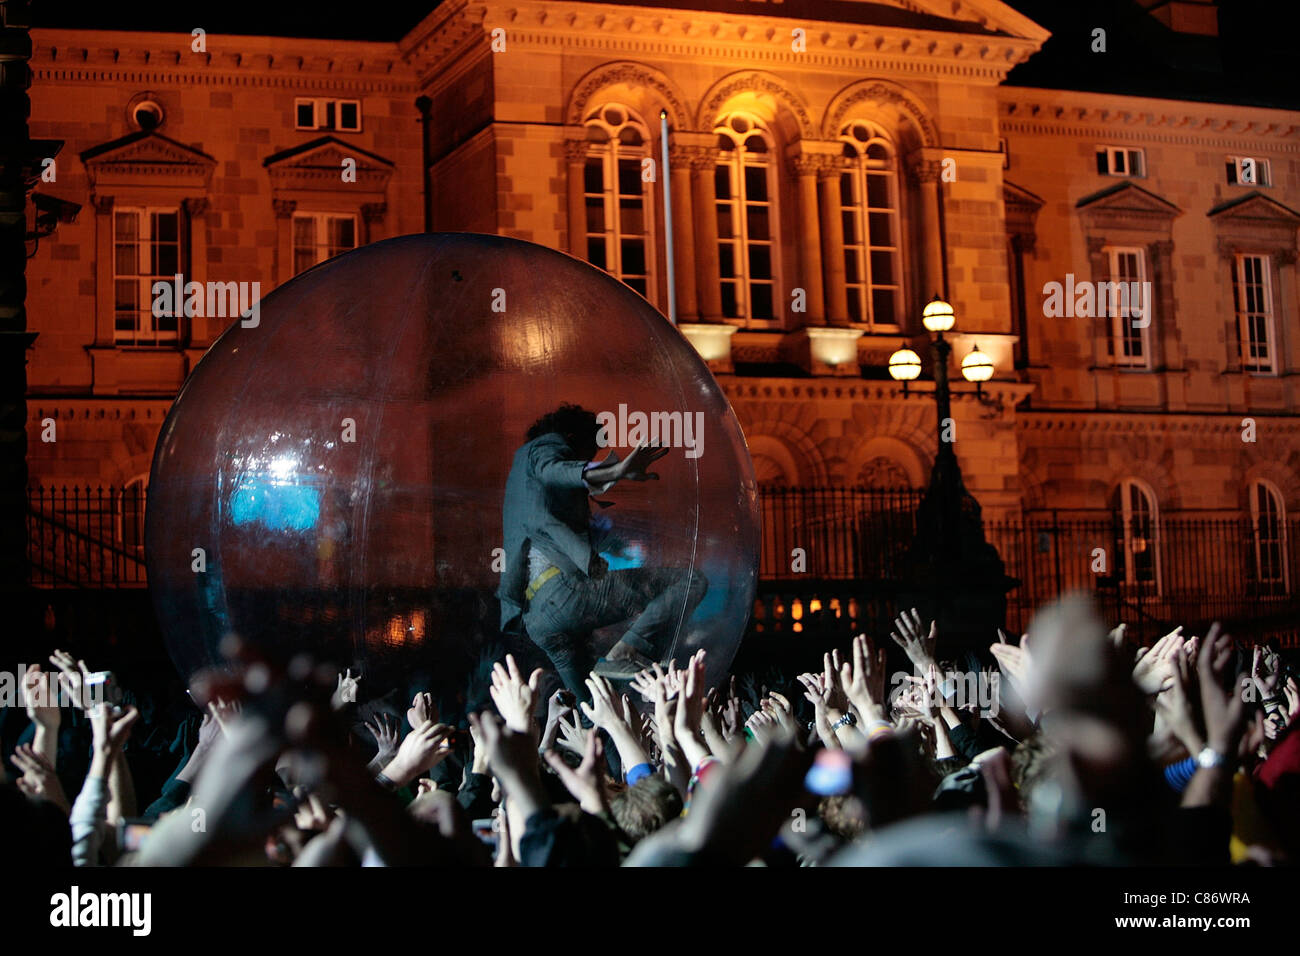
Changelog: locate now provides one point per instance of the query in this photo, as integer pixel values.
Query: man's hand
(387, 739)
(346, 691)
(1223, 705)
(39, 781)
(912, 636)
(586, 784)
(110, 727)
(864, 679)
(72, 675)
(514, 696)
(422, 709)
(422, 750)
(631, 468)
(41, 710)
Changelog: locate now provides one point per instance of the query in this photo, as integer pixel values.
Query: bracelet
(383, 780)
(847, 720)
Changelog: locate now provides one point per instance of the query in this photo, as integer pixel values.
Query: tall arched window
(745, 190)
(1267, 554)
(873, 272)
(1137, 536)
(617, 199)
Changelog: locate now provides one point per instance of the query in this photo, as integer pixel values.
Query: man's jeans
(562, 615)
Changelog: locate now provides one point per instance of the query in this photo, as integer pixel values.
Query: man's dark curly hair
(571, 421)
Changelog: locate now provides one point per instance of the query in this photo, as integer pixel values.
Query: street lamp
(951, 568)
(904, 366)
(977, 367)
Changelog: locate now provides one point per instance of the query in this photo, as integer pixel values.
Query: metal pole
(666, 178)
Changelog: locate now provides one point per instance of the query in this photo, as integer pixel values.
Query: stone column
(105, 308)
(575, 156)
(283, 239)
(688, 304)
(201, 327)
(832, 230)
(804, 169)
(703, 164)
(926, 174)
(372, 215)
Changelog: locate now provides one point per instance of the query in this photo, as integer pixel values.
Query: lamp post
(954, 573)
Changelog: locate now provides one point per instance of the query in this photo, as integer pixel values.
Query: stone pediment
(319, 164)
(1128, 197)
(147, 155)
(1256, 208)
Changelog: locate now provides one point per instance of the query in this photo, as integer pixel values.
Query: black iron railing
(833, 559)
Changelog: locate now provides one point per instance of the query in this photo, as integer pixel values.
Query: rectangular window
(617, 223)
(869, 220)
(146, 249)
(319, 236)
(1121, 161)
(1130, 321)
(745, 236)
(1252, 298)
(1249, 171)
(343, 116)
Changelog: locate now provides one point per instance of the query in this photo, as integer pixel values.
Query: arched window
(745, 190)
(618, 201)
(1267, 554)
(873, 272)
(1137, 537)
(130, 514)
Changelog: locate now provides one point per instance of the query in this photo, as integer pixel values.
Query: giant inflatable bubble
(331, 478)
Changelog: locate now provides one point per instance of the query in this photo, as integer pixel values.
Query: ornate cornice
(142, 59)
(736, 38)
(1118, 119)
(1226, 424)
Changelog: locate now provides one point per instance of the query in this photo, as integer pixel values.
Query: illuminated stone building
(832, 164)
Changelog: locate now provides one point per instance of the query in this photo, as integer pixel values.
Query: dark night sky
(1251, 62)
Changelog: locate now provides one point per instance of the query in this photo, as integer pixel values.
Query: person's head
(573, 422)
(646, 806)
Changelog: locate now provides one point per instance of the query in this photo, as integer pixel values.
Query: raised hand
(863, 679)
(422, 749)
(1222, 703)
(514, 696)
(42, 709)
(72, 677)
(1153, 668)
(39, 781)
(223, 712)
(573, 736)
(1013, 661)
(346, 691)
(761, 725)
(778, 706)
(915, 639)
(586, 784)
(422, 709)
(690, 710)
(387, 739)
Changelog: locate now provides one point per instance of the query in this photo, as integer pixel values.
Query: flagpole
(668, 218)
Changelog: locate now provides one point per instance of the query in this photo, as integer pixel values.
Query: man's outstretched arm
(631, 468)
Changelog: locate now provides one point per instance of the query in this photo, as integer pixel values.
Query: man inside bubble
(556, 583)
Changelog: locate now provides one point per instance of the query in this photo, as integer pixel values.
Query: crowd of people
(1075, 747)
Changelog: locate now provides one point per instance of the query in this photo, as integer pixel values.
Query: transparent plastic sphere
(332, 479)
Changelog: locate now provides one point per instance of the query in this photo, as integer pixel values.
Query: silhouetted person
(555, 581)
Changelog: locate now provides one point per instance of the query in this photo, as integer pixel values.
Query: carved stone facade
(994, 192)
